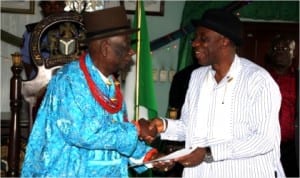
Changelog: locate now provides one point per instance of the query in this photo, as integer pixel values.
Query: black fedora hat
(106, 23)
(223, 22)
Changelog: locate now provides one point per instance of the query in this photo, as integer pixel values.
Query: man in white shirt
(230, 114)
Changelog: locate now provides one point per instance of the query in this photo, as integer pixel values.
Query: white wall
(166, 57)
(14, 24)
(163, 58)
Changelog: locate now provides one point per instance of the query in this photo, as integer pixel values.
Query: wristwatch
(208, 158)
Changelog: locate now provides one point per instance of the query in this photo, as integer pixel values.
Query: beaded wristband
(150, 154)
(164, 124)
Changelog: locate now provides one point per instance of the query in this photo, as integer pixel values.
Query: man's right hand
(158, 124)
(147, 133)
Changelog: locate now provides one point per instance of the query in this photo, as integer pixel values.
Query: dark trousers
(289, 159)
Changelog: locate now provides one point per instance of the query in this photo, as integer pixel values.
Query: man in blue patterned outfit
(81, 129)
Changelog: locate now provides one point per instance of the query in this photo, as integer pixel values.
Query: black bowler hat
(223, 22)
(106, 23)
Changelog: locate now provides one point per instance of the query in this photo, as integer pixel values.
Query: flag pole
(138, 54)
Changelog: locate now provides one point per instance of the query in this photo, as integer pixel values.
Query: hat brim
(213, 26)
(110, 34)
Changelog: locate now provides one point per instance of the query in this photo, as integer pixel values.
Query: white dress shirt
(237, 118)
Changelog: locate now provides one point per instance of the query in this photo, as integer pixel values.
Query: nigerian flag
(139, 87)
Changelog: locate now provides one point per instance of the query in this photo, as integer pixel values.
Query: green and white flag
(139, 87)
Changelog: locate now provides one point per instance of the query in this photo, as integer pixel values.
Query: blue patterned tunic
(73, 136)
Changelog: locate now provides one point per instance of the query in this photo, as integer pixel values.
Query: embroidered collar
(112, 105)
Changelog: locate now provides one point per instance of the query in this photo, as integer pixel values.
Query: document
(176, 154)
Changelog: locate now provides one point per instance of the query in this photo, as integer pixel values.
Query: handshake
(148, 130)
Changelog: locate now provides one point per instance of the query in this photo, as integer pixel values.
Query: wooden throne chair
(63, 33)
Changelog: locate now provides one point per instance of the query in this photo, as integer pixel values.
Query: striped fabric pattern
(237, 118)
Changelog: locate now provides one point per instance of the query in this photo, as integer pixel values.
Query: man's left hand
(193, 159)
